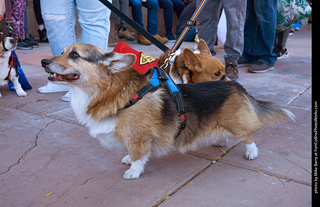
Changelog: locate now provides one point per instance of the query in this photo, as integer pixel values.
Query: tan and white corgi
(102, 84)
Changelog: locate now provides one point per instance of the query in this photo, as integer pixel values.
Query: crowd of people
(251, 37)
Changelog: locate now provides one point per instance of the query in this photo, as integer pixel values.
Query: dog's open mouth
(63, 77)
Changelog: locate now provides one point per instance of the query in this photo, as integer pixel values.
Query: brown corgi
(193, 67)
(102, 84)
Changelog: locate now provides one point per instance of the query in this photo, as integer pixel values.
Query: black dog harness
(158, 79)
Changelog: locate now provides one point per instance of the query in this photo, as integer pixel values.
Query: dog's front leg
(17, 86)
(137, 167)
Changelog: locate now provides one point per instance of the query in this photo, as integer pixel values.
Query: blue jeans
(153, 7)
(168, 7)
(59, 17)
(260, 31)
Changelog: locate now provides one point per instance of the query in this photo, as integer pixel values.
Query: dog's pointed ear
(117, 62)
(203, 47)
(192, 61)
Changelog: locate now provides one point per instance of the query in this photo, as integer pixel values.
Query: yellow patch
(145, 59)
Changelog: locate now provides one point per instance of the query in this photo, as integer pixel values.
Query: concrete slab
(284, 149)
(223, 185)
(34, 102)
(19, 138)
(11, 117)
(59, 157)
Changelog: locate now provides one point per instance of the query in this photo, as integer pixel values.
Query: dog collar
(158, 79)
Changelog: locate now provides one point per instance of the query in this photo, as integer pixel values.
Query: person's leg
(153, 8)
(124, 7)
(167, 7)
(94, 19)
(235, 11)
(136, 11)
(18, 8)
(266, 12)
(59, 18)
(280, 44)
(116, 19)
(25, 25)
(178, 7)
(185, 16)
(251, 28)
(208, 22)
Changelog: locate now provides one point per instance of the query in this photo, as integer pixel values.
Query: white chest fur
(4, 68)
(102, 130)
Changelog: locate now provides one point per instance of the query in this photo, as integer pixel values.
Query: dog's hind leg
(251, 149)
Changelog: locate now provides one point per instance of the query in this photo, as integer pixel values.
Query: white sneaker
(66, 97)
(52, 88)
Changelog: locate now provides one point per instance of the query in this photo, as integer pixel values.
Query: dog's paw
(251, 151)
(126, 160)
(21, 93)
(131, 174)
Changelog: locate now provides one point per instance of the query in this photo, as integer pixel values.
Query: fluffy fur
(193, 67)
(5, 53)
(103, 83)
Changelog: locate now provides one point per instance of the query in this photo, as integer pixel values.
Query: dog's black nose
(12, 41)
(45, 62)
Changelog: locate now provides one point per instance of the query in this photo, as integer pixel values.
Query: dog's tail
(270, 113)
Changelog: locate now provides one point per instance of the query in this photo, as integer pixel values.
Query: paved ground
(48, 159)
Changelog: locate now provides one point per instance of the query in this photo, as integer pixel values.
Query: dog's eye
(74, 55)
(217, 73)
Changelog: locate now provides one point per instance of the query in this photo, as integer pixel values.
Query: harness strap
(160, 79)
(149, 88)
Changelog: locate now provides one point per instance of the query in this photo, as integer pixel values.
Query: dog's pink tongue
(60, 77)
(71, 76)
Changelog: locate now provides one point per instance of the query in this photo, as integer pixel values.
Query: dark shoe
(23, 45)
(31, 43)
(43, 35)
(125, 33)
(243, 63)
(282, 53)
(231, 70)
(260, 67)
(170, 37)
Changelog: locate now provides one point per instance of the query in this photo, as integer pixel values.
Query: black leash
(135, 25)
